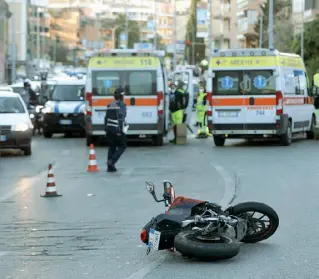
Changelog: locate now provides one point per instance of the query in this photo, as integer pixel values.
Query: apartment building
(141, 11)
(42, 16)
(4, 18)
(19, 10)
(247, 17)
(311, 9)
(224, 23)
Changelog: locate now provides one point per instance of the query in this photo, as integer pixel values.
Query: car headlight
(21, 127)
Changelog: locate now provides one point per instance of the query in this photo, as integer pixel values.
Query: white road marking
(23, 185)
(147, 269)
(3, 253)
(230, 185)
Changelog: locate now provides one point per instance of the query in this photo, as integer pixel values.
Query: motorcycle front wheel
(216, 247)
(262, 220)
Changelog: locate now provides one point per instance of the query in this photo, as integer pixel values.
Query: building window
(226, 43)
(252, 17)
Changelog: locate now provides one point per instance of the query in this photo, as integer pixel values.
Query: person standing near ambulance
(114, 128)
(176, 108)
(201, 111)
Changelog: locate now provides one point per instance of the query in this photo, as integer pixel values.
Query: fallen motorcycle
(203, 230)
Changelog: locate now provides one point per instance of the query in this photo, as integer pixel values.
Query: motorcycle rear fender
(169, 226)
(184, 206)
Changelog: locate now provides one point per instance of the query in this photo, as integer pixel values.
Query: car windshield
(11, 105)
(18, 89)
(247, 82)
(135, 82)
(68, 93)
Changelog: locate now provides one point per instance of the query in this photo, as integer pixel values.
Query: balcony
(310, 15)
(247, 5)
(222, 14)
(219, 33)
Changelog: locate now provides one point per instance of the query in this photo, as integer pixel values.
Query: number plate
(66, 122)
(146, 114)
(3, 138)
(154, 239)
(228, 114)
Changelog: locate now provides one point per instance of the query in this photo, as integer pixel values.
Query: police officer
(114, 125)
(201, 111)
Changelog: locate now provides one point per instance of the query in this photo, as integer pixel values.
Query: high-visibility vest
(316, 80)
(200, 101)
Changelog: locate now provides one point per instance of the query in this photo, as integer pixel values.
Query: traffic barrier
(92, 160)
(51, 187)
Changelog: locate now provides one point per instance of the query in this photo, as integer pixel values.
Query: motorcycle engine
(229, 231)
(237, 231)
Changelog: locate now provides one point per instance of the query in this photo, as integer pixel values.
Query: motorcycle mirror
(150, 187)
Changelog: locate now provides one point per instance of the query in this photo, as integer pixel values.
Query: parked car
(15, 123)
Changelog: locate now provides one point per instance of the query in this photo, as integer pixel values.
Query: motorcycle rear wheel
(190, 246)
(240, 210)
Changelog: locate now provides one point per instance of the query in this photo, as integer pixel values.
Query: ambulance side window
(300, 82)
(105, 82)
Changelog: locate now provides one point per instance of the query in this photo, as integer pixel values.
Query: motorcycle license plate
(154, 239)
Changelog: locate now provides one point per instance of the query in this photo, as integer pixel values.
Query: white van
(258, 93)
(64, 111)
(144, 78)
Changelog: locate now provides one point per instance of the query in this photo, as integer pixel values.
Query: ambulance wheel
(286, 138)
(219, 140)
(311, 134)
(158, 140)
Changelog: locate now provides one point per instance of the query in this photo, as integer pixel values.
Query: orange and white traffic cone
(50, 188)
(92, 160)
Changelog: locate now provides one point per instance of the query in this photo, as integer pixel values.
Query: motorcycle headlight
(47, 110)
(31, 115)
(38, 109)
(21, 127)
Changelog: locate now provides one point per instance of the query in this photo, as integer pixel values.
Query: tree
(197, 44)
(283, 25)
(159, 42)
(58, 51)
(311, 46)
(119, 27)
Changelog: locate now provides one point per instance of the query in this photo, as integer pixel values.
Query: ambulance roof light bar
(244, 52)
(132, 52)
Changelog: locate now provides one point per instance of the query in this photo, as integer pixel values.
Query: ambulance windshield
(247, 82)
(135, 82)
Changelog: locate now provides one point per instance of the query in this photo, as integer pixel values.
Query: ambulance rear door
(141, 98)
(259, 91)
(187, 77)
(228, 103)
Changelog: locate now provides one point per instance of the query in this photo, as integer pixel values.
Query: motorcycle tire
(188, 245)
(242, 208)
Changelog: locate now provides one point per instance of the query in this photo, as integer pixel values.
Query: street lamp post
(175, 36)
(210, 31)
(271, 24)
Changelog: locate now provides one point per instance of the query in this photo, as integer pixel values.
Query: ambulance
(258, 93)
(144, 78)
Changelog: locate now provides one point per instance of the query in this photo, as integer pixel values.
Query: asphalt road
(92, 231)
